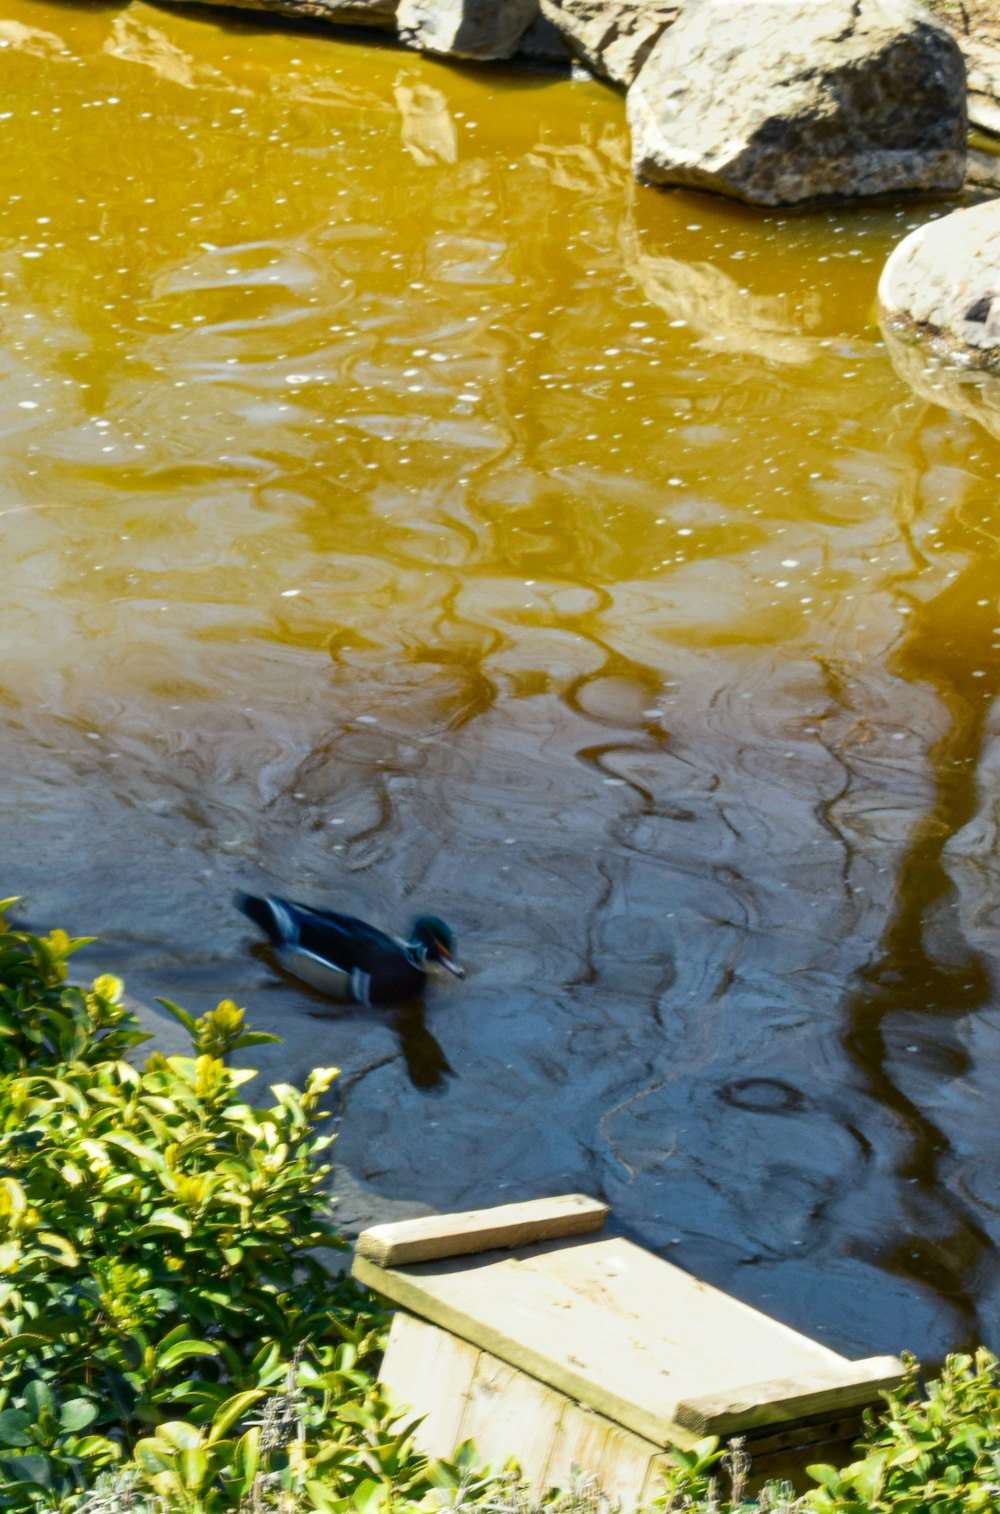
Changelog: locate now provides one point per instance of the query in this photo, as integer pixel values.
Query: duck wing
(349, 943)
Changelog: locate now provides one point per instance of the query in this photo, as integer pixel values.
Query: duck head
(437, 942)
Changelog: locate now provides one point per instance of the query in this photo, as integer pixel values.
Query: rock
(543, 43)
(612, 37)
(480, 29)
(982, 171)
(982, 66)
(781, 101)
(380, 13)
(943, 281)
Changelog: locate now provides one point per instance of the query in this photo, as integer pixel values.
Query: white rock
(612, 37)
(944, 280)
(780, 101)
(480, 29)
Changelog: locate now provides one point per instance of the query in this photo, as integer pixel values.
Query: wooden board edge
(432, 1237)
(410, 1295)
(829, 1390)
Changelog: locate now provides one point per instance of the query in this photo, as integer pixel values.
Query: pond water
(403, 509)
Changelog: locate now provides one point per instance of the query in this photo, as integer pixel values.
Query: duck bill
(450, 965)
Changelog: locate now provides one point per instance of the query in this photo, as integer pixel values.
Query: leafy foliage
(162, 1304)
(930, 1452)
(938, 1454)
(710, 1479)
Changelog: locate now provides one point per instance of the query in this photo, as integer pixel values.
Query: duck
(348, 959)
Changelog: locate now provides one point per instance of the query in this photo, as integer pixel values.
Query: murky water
(403, 509)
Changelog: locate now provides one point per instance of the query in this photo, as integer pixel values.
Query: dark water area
(403, 510)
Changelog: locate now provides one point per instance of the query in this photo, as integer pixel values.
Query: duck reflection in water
(348, 960)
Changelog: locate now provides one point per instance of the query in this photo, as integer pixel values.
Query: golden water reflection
(400, 506)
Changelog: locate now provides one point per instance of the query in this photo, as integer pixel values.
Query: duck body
(346, 958)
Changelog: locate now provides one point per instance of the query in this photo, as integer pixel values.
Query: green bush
(932, 1452)
(936, 1454)
(162, 1306)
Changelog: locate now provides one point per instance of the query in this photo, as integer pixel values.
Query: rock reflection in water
(944, 381)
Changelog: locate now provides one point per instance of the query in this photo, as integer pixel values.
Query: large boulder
(480, 29)
(781, 101)
(943, 282)
(612, 37)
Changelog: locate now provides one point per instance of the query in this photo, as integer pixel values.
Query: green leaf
(179, 1014)
(178, 1435)
(147, 1155)
(69, 1095)
(231, 1410)
(823, 1473)
(60, 1245)
(181, 1352)
(247, 1457)
(153, 1456)
(76, 1414)
(166, 1219)
(370, 1496)
(193, 1466)
(14, 1425)
(27, 1343)
(38, 1398)
(36, 1469)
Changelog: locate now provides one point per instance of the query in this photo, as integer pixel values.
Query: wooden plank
(431, 1371)
(653, 1485)
(829, 1390)
(579, 1442)
(606, 1323)
(510, 1414)
(710, 1336)
(535, 1324)
(624, 1469)
(846, 1428)
(509, 1225)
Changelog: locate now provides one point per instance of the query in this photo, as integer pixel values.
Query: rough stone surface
(983, 171)
(781, 101)
(944, 279)
(982, 64)
(380, 13)
(480, 29)
(543, 43)
(612, 37)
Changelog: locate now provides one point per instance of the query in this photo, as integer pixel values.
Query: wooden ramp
(525, 1330)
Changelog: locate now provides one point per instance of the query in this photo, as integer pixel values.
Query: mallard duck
(346, 958)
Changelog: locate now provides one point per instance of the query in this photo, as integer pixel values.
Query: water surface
(403, 509)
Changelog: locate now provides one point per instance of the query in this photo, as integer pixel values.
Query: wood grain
(430, 1371)
(829, 1390)
(438, 1235)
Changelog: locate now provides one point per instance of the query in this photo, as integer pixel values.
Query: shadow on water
(924, 967)
(427, 1066)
